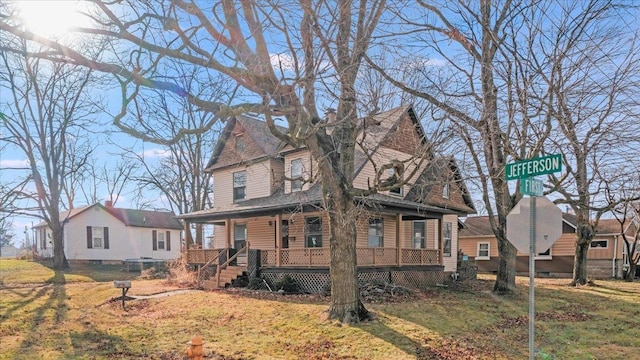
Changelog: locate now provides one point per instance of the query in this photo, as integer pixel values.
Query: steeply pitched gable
(258, 142)
(428, 188)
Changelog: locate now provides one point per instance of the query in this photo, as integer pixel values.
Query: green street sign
(531, 186)
(534, 167)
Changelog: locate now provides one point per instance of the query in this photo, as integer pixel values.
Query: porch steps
(227, 275)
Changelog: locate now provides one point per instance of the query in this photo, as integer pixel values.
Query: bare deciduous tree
(593, 84)
(43, 113)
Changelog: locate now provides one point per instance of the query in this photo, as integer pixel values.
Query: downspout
(615, 254)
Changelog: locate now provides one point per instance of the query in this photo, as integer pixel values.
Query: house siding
(260, 182)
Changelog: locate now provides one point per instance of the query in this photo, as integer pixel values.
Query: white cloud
(14, 164)
(156, 153)
(283, 62)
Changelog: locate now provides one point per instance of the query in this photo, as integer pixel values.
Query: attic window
(446, 190)
(239, 143)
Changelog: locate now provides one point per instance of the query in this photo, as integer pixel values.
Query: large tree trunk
(59, 258)
(631, 273)
(506, 276)
(580, 276)
(345, 294)
(584, 235)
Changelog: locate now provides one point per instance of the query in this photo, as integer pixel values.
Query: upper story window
(313, 232)
(376, 233)
(394, 191)
(239, 185)
(446, 190)
(296, 175)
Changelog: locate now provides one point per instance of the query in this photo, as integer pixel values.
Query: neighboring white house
(106, 233)
(9, 251)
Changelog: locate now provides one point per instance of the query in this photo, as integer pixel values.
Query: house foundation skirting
(318, 280)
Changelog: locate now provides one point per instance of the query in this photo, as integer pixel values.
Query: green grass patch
(70, 317)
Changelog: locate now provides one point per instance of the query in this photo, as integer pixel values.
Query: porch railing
(366, 257)
(202, 256)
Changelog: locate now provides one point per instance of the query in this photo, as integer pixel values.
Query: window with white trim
(97, 236)
(398, 190)
(161, 242)
(599, 244)
(296, 175)
(313, 232)
(239, 185)
(376, 232)
(446, 239)
(483, 251)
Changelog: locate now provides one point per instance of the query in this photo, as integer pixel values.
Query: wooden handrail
(208, 263)
(245, 249)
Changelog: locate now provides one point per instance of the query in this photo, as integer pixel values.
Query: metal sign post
(532, 275)
(525, 171)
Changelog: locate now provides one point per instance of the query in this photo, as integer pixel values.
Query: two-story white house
(108, 234)
(268, 199)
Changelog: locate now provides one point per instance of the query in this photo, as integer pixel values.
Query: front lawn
(67, 315)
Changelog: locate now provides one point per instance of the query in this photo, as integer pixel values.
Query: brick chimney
(108, 203)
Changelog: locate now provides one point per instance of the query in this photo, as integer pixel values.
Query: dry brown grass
(74, 320)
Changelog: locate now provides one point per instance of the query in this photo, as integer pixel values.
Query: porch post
(399, 237)
(187, 240)
(228, 229)
(278, 241)
(440, 247)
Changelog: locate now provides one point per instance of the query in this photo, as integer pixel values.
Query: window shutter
(89, 239)
(154, 236)
(168, 237)
(106, 237)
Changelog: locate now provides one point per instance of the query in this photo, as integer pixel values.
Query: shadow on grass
(96, 272)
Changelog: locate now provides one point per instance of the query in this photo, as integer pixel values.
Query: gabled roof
(145, 218)
(256, 129)
(129, 217)
(434, 174)
(612, 227)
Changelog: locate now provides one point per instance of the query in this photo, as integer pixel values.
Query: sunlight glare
(53, 18)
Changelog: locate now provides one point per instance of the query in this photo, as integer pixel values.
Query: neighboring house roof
(480, 226)
(441, 170)
(129, 217)
(309, 200)
(612, 227)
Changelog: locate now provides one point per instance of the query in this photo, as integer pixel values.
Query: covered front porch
(319, 257)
